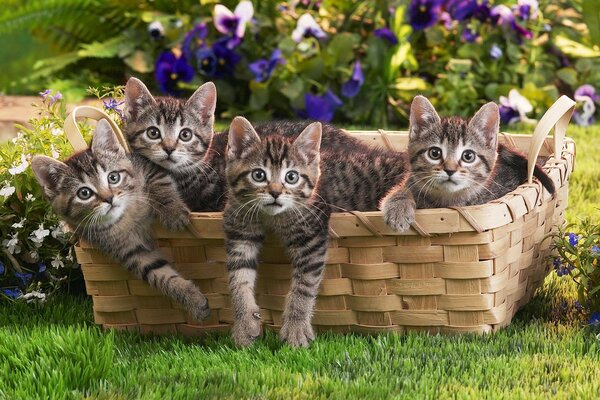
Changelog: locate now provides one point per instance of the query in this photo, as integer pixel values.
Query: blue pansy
(194, 40)
(171, 69)
(495, 52)
(11, 293)
(262, 69)
(424, 13)
(595, 318)
(352, 86)
(321, 108)
(470, 35)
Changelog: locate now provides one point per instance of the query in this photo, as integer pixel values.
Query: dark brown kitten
(287, 178)
(178, 136)
(109, 199)
(455, 162)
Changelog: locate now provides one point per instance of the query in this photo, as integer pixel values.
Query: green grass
(56, 351)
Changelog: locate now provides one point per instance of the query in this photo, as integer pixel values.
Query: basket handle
(73, 133)
(557, 116)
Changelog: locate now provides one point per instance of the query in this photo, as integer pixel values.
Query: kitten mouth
(274, 204)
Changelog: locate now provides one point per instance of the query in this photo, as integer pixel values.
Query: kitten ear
(486, 123)
(241, 136)
(49, 173)
(309, 141)
(105, 140)
(137, 98)
(422, 116)
(204, 102)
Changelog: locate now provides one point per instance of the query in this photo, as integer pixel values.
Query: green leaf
(293, 89)
(106, 49)
(576, 49)
(410, 83)
(259, 96)
(341, 48)
(591, 16)
(567, 75)
(48, 66)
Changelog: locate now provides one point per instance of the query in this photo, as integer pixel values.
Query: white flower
(19, 168)
(35, 296)
(19, 224)
(39, 234)
(307, 26)
(12, 244)
(518, 103)
(29, 197)
(57, 231)
(53, 152)
(234, 23)
(69, 256)
(7, 190)
(56, 131)
(57, 262)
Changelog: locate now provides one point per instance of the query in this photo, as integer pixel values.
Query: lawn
(55, 351)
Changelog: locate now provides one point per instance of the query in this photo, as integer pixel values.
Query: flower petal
(222, 14)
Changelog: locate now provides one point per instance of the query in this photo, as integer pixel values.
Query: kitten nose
(274, 193)
(169, 150)
(109, 199)
(450, 172)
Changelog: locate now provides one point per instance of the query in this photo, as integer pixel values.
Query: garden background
(358, 64)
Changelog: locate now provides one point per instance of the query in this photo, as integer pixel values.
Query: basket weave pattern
(458, 270)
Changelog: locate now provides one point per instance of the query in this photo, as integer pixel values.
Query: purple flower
(262, 69)
(446, 20)
(595, 318)
(424, 13)
(194, 40)
(527, 9)
(495, 52)
(41, 270)
(502, 15)
(218, 61)
(233, 23)
(11, 293)
(588, 91)
(113, 104)
(45, 93)
(595, 250)
(171, 69)
(469, 35)
(321, 108)
(352, 86)
(307, 26)
(585, 94)
(387, 34)
(557, 262)
(461, 10)
(573, 239)
(514, 108)
(24, 278)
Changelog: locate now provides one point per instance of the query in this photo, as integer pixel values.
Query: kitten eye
(153, 133)
(84, 193)
(435, 153)
(259, 175)
(185, 135)
(292, 177)
(468, 156)
(114, 177)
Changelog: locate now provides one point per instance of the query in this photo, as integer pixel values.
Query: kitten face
(451, 155)
(96, 187)
(272, 174)
(171, 133)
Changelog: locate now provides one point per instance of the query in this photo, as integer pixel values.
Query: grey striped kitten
(110, 198)
(286, 177)
(455, 162)
(177, 135)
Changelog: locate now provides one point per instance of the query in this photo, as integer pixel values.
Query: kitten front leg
(167, 204)
(399, 209)
(243, 247)
(308, 259)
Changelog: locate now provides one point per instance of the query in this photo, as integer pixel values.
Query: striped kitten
(455, 162)
(286, 177)
(109, 198)
(177, 136)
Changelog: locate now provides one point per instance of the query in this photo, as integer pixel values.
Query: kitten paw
(246, 330)
(178, 221)
(399, 215)
(297, 333)
(201, 311)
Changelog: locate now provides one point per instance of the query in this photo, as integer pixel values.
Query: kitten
(109, 198)
(178, 136)
(286, 177)
(455, 162)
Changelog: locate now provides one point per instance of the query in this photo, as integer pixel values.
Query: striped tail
(151, 266)
(546, 181)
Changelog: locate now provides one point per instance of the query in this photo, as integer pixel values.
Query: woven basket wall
(462, 270)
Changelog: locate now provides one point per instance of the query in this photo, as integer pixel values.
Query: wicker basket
(458, 270)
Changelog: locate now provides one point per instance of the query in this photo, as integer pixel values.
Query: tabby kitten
(109, 198)
(282, 179)
(178, 136)
(455, 162)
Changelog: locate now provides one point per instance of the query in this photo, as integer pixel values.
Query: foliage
(580, 259)
(307, 58)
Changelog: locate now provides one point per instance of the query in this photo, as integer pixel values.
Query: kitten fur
(178, 136)
(286, 177)
(125, 194)
(456, 162)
